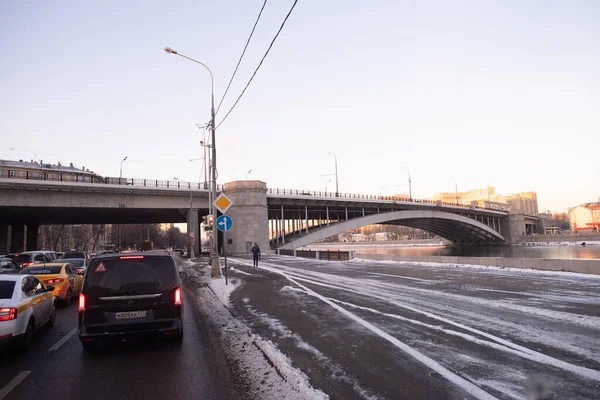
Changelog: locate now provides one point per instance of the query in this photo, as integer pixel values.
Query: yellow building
(523, 203)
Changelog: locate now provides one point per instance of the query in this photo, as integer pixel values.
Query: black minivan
(130, 295)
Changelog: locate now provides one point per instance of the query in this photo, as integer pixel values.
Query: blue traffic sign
(224, 223)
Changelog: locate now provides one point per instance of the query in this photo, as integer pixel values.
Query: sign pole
(225, 251)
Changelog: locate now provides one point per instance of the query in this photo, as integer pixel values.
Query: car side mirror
(80, 272)
(50, 288)
(183, 274)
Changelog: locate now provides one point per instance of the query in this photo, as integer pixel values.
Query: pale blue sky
(504, 93)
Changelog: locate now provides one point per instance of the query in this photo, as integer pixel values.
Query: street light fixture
(409, 183)
(191, 253)
(216, 270)
(248, 173)
(121, 169)
(337, 192)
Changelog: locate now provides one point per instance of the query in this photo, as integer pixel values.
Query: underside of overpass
(453, 227)
(83, 215)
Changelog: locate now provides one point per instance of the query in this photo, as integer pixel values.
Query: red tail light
(53, 281)
(27, 264)
(81, 302)
(178, 296)
(131, 257)
(8, 314)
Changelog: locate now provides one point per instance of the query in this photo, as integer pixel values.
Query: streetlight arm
(171, 51)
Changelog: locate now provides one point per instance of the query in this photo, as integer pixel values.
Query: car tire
(27, 338)
(89, 347)
(52, 320)
(178, 338)
(68, 298)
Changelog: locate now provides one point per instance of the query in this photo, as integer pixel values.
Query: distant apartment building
(585, 217)
(44, 171)
(523, 203)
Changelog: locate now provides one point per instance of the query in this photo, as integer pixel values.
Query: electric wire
(241, 56)
(259, 64)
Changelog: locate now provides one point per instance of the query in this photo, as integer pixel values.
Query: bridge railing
(96, 179)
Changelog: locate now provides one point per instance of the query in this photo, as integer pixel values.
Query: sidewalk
(259, 370)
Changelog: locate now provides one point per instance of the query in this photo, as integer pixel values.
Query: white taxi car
(25, 306)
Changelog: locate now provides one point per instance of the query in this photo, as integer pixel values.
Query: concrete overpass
(270, 217)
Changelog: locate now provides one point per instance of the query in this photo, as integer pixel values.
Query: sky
(472, 93)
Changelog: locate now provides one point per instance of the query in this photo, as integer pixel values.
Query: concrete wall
(571, 265)
(249, 216)
(513, 227)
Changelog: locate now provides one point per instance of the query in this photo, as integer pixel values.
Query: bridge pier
(250, 216)
(17, 238)
(32, 237)
(193, 225)
(5, 232)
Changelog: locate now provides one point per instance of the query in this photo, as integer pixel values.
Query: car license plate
(130, 314)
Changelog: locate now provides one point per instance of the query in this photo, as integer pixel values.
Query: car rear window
(20, 257)
(76, 262)
(130, 277)
(41, 270)
(74, 254)
(6, 289)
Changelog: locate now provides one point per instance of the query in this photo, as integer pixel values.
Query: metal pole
(337, 191)
(409, 186)
(456, 190)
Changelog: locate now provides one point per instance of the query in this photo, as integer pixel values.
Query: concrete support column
(193, 226)
(32, 237)
(249, 215)
(346, 213)
(4, 239)
(283, 228)
(363, 209)
(17, 242)
(327, 208)
(306, 216)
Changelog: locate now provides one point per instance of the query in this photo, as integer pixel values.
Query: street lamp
(216, 271)
(121, 169)
(191, 253)
(381, 191)
(326, 186)
(337, 192)
(248, 173)
(409, 183)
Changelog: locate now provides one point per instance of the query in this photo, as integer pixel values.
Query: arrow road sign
(224, 223)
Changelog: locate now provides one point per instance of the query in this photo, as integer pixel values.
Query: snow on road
(510, 326)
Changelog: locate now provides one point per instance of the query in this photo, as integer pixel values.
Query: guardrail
(298, 192)
(326, 255)
(95, 179)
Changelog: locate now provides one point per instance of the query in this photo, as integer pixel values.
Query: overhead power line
(241, 56)
(259, 64)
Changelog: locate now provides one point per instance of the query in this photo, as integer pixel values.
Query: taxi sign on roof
(223, 202)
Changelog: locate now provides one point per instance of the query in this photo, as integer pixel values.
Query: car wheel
(69, 297)
(27, 338)
(52, 320)
(89, 347)
(178, 338)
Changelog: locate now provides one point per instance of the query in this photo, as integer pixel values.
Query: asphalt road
(382, 331)
(57, 368)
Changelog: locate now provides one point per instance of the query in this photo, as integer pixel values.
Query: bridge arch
(453, 227)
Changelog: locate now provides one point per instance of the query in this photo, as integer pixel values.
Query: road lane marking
(13, 384)
(459, 381)
(508, 346)
(63, 340)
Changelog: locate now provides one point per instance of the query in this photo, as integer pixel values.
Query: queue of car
(120, 295)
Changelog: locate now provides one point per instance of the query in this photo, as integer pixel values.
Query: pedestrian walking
(255, 254)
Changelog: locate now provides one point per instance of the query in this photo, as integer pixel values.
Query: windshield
(41, 270)
(130, 277)
(74, 254)
(75, 261)
(6, 289)
(20, 258)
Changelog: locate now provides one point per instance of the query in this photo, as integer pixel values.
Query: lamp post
(191, 253)
(409, 183)
(337, 192)
(381, 191)
(216, 270)
(326, 186)
(121, 169)
(248, 173)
